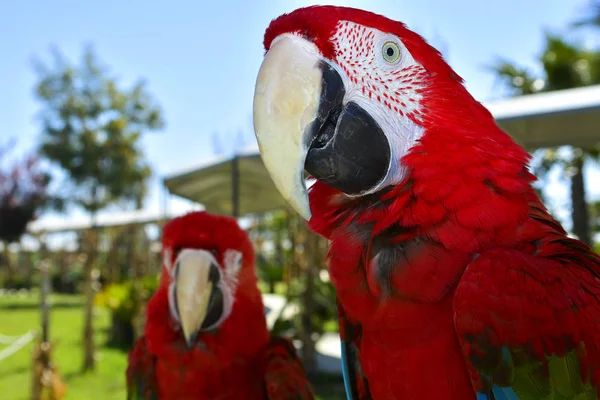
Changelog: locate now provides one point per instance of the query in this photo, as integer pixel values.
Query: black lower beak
(348, 150)
(215, 308)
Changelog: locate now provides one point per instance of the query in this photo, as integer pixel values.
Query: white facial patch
(388, 90)
(232, 261)
(233, 264)
(167, 265)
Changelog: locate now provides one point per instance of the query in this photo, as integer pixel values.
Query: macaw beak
(198, 299)
(302, 122)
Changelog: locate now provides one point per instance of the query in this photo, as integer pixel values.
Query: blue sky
(201, 58)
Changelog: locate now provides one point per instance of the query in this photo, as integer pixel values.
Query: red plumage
(441, 274)
(239, 359)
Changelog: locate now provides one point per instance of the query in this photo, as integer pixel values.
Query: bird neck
(470, 186)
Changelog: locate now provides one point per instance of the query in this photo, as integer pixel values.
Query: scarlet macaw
(453, 280)
(206, 335)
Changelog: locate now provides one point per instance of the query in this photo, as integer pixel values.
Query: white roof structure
(565, 117)
(212, 184)
(105, 220)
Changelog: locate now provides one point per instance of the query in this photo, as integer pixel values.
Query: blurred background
(116, 116)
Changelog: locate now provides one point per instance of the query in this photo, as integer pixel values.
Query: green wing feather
(526, 325)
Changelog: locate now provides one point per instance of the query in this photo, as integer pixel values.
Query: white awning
(104, 220)
(566, 117)
(212, 184)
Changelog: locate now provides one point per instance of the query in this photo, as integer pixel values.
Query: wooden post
(235, 187)
(293, 227)
(311, 261)
(89, 360)
(134, 261)
(46, 381)
(45, 293)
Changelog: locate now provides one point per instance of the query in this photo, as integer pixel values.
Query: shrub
(123, 300)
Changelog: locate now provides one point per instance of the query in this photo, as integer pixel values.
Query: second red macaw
(206, 335)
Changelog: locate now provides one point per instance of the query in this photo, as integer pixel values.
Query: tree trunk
(64, 265)
(311, 257)
(579, 210)
(89, 362)
(6, 263)
(46, 381)
(113, 260)
(292, 266)
(130, 252)
(134, 262)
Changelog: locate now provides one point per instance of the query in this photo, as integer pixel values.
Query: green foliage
(278, 267)
(595, 217)
(567, 65)
(323, 317)
(69, 283)
(122, 298)
(271, 274)
(564, 65)
(592, 15)
(92, 129)
(126, 303)
(271, 267)
(518, 80)
(17, 282)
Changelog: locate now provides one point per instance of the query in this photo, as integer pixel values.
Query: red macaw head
(348, 96)
(208, 263)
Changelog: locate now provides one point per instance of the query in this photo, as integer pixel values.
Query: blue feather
(346, 372)
(504, 393)
(499, 393)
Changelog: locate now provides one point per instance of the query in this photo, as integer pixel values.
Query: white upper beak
(286, 100)
(193, 289)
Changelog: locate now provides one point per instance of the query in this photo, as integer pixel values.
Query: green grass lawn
(18, 315)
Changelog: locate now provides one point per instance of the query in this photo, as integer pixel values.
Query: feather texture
(285, 376)
(454, 282)
(527, 317)
(239, 360)
(355, 383)
(141, 381)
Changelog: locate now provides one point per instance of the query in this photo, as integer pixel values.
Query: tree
(23, 192)
(592, 17)
(565, 65)
(91, 129)
(595, 216)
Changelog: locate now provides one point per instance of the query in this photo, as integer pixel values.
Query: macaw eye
(391, 52)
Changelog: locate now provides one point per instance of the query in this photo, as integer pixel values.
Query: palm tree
(565, 65)
(593, 17)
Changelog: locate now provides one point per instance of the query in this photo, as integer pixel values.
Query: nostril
(214, 275)
(327, 130)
